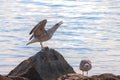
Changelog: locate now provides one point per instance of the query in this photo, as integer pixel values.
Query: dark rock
(48, 64)
(74, 76)
(12, 78)
(106, 76)
(30, 72)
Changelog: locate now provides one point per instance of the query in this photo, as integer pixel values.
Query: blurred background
(91, 30)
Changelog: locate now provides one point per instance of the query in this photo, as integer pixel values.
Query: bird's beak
(61, 22)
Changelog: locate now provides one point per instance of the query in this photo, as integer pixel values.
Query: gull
(85, 65)
(39, 34)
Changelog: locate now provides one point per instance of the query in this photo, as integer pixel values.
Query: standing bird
(85, 65)
(39, 34)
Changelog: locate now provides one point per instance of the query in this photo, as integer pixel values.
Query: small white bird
(39, 34)
(85, 65)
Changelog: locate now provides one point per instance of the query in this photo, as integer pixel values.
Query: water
(91, 30)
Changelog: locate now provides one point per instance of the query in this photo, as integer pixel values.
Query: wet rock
(48, 64)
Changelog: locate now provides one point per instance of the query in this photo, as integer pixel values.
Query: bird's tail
(32, 41)
(28, 43)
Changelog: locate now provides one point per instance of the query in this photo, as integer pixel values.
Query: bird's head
(86, 65)
(44, 21)
(59, 23)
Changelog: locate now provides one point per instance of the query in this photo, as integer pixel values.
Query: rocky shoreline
(49, 64)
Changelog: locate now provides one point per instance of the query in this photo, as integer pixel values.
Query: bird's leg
(87, 73)
(41, 45)
(83, 73)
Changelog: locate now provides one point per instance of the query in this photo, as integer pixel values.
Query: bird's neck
(53, 29)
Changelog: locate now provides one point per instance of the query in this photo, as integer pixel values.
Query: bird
(39, 34)
(85, 65)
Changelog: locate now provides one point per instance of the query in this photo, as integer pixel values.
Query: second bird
(39, 34)
(85, 65)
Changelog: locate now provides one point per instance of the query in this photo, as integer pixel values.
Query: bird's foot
(45, 48)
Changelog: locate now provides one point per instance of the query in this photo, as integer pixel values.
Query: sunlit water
(91, 30)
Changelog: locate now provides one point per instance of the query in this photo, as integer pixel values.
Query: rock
(4, 78)
(71, 76)
(12, 78)
(17, 78)
(75, 76)
(106, 76)
(48, 64)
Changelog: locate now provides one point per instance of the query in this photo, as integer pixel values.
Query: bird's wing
(38, 29)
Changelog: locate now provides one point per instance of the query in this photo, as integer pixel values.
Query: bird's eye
(57, 24)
